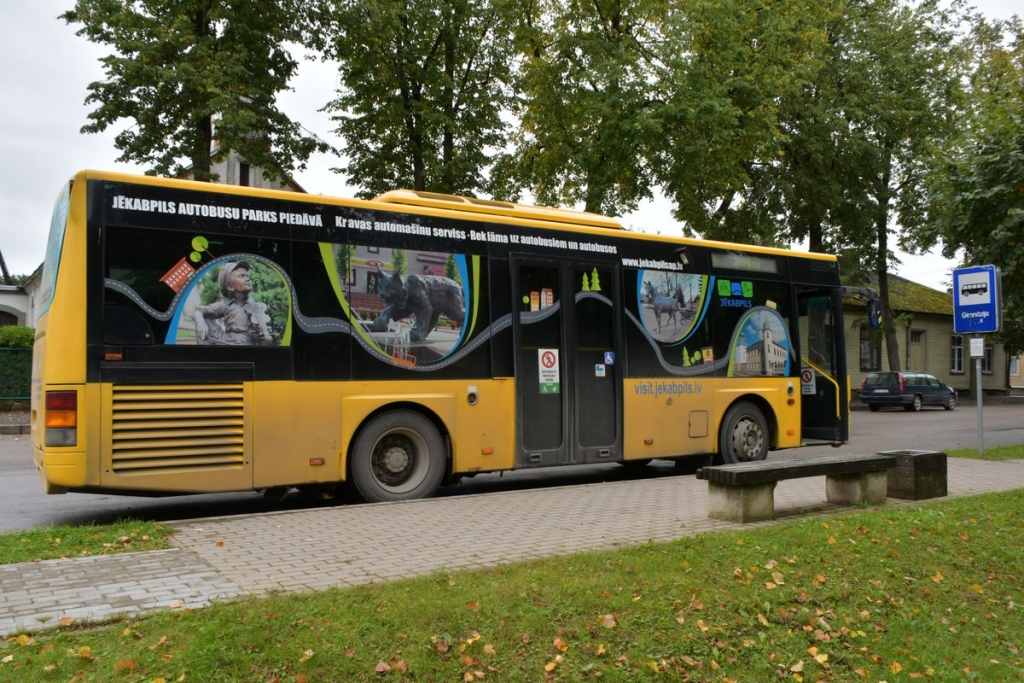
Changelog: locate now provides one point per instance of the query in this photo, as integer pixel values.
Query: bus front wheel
(744, 434)
(398, 456)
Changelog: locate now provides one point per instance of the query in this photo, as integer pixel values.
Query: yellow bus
(206, 338)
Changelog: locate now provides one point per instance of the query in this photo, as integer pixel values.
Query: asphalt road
(23, 505)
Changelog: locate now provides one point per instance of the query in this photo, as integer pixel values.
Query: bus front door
(567, 377)
(824, 383)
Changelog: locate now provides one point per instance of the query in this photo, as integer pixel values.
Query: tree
(730, 68)
(977, 196)
(188, 71)
(587, 101)
(900, 74)
(422, 90)
(874, 102)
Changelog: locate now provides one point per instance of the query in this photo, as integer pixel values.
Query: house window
(243, 174)
(956, 354)
(870, 352)
(986, 360)
(1014, 366)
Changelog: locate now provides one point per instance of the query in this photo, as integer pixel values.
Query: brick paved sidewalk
(223, 558)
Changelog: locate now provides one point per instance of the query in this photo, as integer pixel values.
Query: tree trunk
(6, 273)
(203, 124)
(892, 346)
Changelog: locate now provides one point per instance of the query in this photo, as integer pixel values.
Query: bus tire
(398, 455)
(744, 434)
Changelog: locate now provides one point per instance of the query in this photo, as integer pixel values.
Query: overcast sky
(42, 89)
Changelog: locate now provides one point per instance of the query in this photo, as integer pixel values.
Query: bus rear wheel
(398, 455)
(744, 434)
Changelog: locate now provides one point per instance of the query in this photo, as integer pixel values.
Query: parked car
(912, 390)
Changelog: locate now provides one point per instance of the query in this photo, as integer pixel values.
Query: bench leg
(867, 487)
(742, 503)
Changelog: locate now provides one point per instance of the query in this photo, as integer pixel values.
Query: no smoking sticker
(547, 367)
(808, 382)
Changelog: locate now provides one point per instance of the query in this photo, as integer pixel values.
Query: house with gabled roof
(926, 340)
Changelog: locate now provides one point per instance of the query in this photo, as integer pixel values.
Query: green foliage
(58, 542)
(343, 261)
(180, 68)
(16, 361)
(588, 103)
(451, 269)
(977, 201)
(422, 88)
(916, 592)
(16, 337)
(989, 453)
(733, 70)
(398, 261)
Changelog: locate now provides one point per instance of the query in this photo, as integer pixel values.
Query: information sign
(977, 304)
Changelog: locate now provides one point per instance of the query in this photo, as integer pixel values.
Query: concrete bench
(745, 492)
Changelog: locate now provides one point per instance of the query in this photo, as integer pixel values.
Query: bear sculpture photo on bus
(427, 297)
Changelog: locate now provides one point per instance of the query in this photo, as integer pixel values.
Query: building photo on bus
(196, 338)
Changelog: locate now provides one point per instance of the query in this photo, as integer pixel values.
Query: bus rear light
(61, 418)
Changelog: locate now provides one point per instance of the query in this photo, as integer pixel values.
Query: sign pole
(981, 419)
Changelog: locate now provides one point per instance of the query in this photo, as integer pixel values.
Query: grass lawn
(989, 453)
(930, 592)
(54, 543)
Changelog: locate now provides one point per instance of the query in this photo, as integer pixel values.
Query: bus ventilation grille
(178, 427)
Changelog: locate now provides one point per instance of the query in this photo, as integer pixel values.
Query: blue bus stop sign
(977, 304)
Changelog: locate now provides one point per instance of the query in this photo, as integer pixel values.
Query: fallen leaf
(400, 666)
(798, 667)
(8, 659)
(608, 621)
(895, 667)
(306, 656)
(600, 649)
(125, 665)
(382, 667)
(561, 645)
(66, 621)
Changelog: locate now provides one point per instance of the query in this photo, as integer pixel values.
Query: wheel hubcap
(399, 460)
(747, 440)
